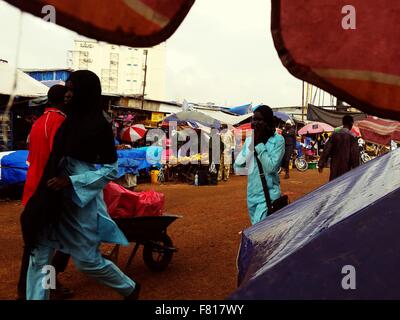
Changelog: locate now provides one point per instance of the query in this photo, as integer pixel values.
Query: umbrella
(133, 133)
(282, 116)
(315, 127)
(193, 117)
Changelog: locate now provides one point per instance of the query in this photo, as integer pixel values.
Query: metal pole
(319, 98)
(302, 103)
(315, 95)
(145, 52)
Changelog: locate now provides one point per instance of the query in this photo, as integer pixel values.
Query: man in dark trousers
(290, 143)
(342, 148)
(40, 145)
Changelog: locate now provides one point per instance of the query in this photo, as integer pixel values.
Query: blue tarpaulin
(133, 160)
(13, 167)
(241, 110)
(13, 164)
(306, 250)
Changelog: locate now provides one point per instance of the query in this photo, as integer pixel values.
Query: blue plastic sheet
(130, 161)
(300, 252)
(14, 167)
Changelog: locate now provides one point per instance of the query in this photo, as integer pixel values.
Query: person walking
(41, 139)
(67, 211)
(342, 148)
(227, 144)
(289, 133)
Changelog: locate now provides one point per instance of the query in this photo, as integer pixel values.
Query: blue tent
(348, 227)
(241, 110)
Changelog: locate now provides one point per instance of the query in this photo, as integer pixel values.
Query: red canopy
(246, 126)
(136, 23)
(379, 131)
(360, 66)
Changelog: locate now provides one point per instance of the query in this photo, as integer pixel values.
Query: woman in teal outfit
(83, 161)
(270, 148)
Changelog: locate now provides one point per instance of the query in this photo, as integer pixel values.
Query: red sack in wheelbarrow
(123, 203)
(150, 203)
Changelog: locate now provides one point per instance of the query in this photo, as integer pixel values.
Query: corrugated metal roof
(224, 117)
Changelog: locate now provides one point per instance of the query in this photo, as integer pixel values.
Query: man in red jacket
(40, 145)
(41, 139)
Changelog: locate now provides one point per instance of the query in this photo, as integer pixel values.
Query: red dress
(40, 144)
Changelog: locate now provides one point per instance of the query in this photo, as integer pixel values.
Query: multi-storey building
(122, 69)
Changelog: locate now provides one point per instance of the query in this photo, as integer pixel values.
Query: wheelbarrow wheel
(156, 256)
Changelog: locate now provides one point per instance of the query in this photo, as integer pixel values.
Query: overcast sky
(223, 53)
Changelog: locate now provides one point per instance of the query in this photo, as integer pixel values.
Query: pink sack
(123, 203)
(150, 203)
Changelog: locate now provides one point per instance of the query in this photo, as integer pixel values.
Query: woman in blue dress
(67, 212)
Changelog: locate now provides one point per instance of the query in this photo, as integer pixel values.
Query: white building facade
(122, 69)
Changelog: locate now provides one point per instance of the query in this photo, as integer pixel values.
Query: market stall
(311, 133)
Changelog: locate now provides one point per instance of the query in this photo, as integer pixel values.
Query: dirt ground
(207, 237)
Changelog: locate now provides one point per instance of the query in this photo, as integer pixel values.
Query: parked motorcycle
(300, 162)
(364, 156)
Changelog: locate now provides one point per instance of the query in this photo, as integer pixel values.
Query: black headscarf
(85, 135)
(268, 116)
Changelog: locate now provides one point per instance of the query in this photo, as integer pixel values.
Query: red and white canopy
(133, 133)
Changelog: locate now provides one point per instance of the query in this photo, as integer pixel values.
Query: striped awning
(349, 49)
(135, 23)
(379, 131)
